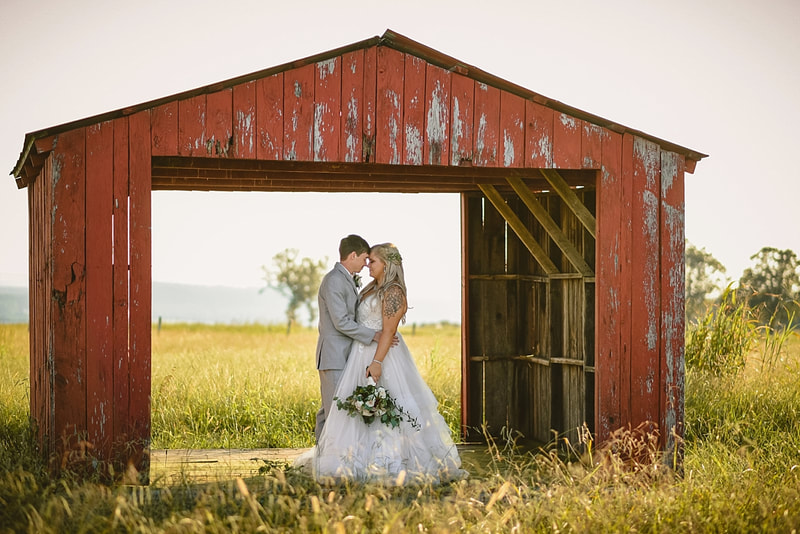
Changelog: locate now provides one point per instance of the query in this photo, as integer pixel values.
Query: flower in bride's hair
(394, 257)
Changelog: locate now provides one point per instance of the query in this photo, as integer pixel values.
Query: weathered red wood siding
(90, 378)
(91, 202)
(672, 300)
(640, 302)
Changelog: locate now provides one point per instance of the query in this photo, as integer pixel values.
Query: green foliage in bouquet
(373, 402)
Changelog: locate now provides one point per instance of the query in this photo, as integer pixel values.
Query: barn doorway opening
(239, 374)
(527, 271)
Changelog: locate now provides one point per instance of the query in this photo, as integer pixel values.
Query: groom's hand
(377, 337)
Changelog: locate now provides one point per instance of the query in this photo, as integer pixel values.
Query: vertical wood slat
(468, 391)
(389, 106)
(538, 136)
(591, 146)
(512, 130)
(69, 311)
(672, 303)
(298, 113)
(497, 333)
(436, 150)
(99, 286)
(164, 129)
(476, 265)
(121, 385)
(269, 117)
(192, 126)
(244, 120)
(567, 132)
(609, 297)
(645, 317)
(487, 126)
(40, 303)
(48, 191)
(369, 109)
(140, 171)
(413, 110)
(462, 97)
(219, 123)
(327, 107)
(625, 287)
(352, 106)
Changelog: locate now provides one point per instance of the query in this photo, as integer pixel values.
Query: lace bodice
(369, 312)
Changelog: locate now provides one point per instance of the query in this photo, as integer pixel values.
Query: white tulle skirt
(350, 449)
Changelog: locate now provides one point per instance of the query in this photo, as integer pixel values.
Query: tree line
(770, 287)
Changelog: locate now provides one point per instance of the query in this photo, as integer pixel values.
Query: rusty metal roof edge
(389, 38)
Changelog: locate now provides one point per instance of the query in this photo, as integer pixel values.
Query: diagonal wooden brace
(561, 187)
(550, 226)
(519, 228)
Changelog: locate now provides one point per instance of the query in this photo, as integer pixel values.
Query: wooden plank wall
(90, 333)
(531, 335)
(376, 105)
(639, 296)
(526, 338)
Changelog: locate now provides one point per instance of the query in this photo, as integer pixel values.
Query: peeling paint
(568, 121)
(351, 127)
(669, 170)
(245, 124)
(326, 68)
(394, 128)
(414, 145)
(437, 123)
(456, 134)
(298, 89)
(320, 110)
(508, 149)
(480, 138)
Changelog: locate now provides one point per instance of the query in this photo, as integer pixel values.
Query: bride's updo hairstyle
(389, 255)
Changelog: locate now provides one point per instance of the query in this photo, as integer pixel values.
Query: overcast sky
(719, 77)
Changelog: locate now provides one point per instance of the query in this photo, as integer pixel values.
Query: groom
(338, 298)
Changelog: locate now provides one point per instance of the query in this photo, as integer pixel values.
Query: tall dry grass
(254, 386)
(741, 470)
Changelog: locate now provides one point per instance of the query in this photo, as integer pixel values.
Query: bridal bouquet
(373, 402)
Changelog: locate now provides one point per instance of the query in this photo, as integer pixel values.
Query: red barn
(572, 236)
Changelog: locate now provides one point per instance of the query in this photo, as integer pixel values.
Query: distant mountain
(218, 304)
(13, 304)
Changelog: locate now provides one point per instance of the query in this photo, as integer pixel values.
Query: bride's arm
(394, 307)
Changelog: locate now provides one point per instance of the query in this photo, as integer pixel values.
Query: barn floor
(171, 466)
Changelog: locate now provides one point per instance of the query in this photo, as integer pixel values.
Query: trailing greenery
(741, 468)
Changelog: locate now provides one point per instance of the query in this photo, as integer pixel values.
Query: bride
(419, 449)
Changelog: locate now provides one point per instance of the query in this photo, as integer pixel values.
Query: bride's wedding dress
(350, 449)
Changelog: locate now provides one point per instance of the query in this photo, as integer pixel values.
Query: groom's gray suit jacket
(338, 328)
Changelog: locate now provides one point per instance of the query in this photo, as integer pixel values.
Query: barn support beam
(550, 226)
(519, 228)
(569, 197)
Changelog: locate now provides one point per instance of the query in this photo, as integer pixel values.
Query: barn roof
(30, 160)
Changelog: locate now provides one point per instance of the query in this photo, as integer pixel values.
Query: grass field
(252, 386)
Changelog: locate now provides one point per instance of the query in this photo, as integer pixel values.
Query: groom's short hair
(352, 243)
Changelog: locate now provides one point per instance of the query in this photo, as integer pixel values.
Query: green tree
(772, 285)
(299, 280)
(705, 280)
